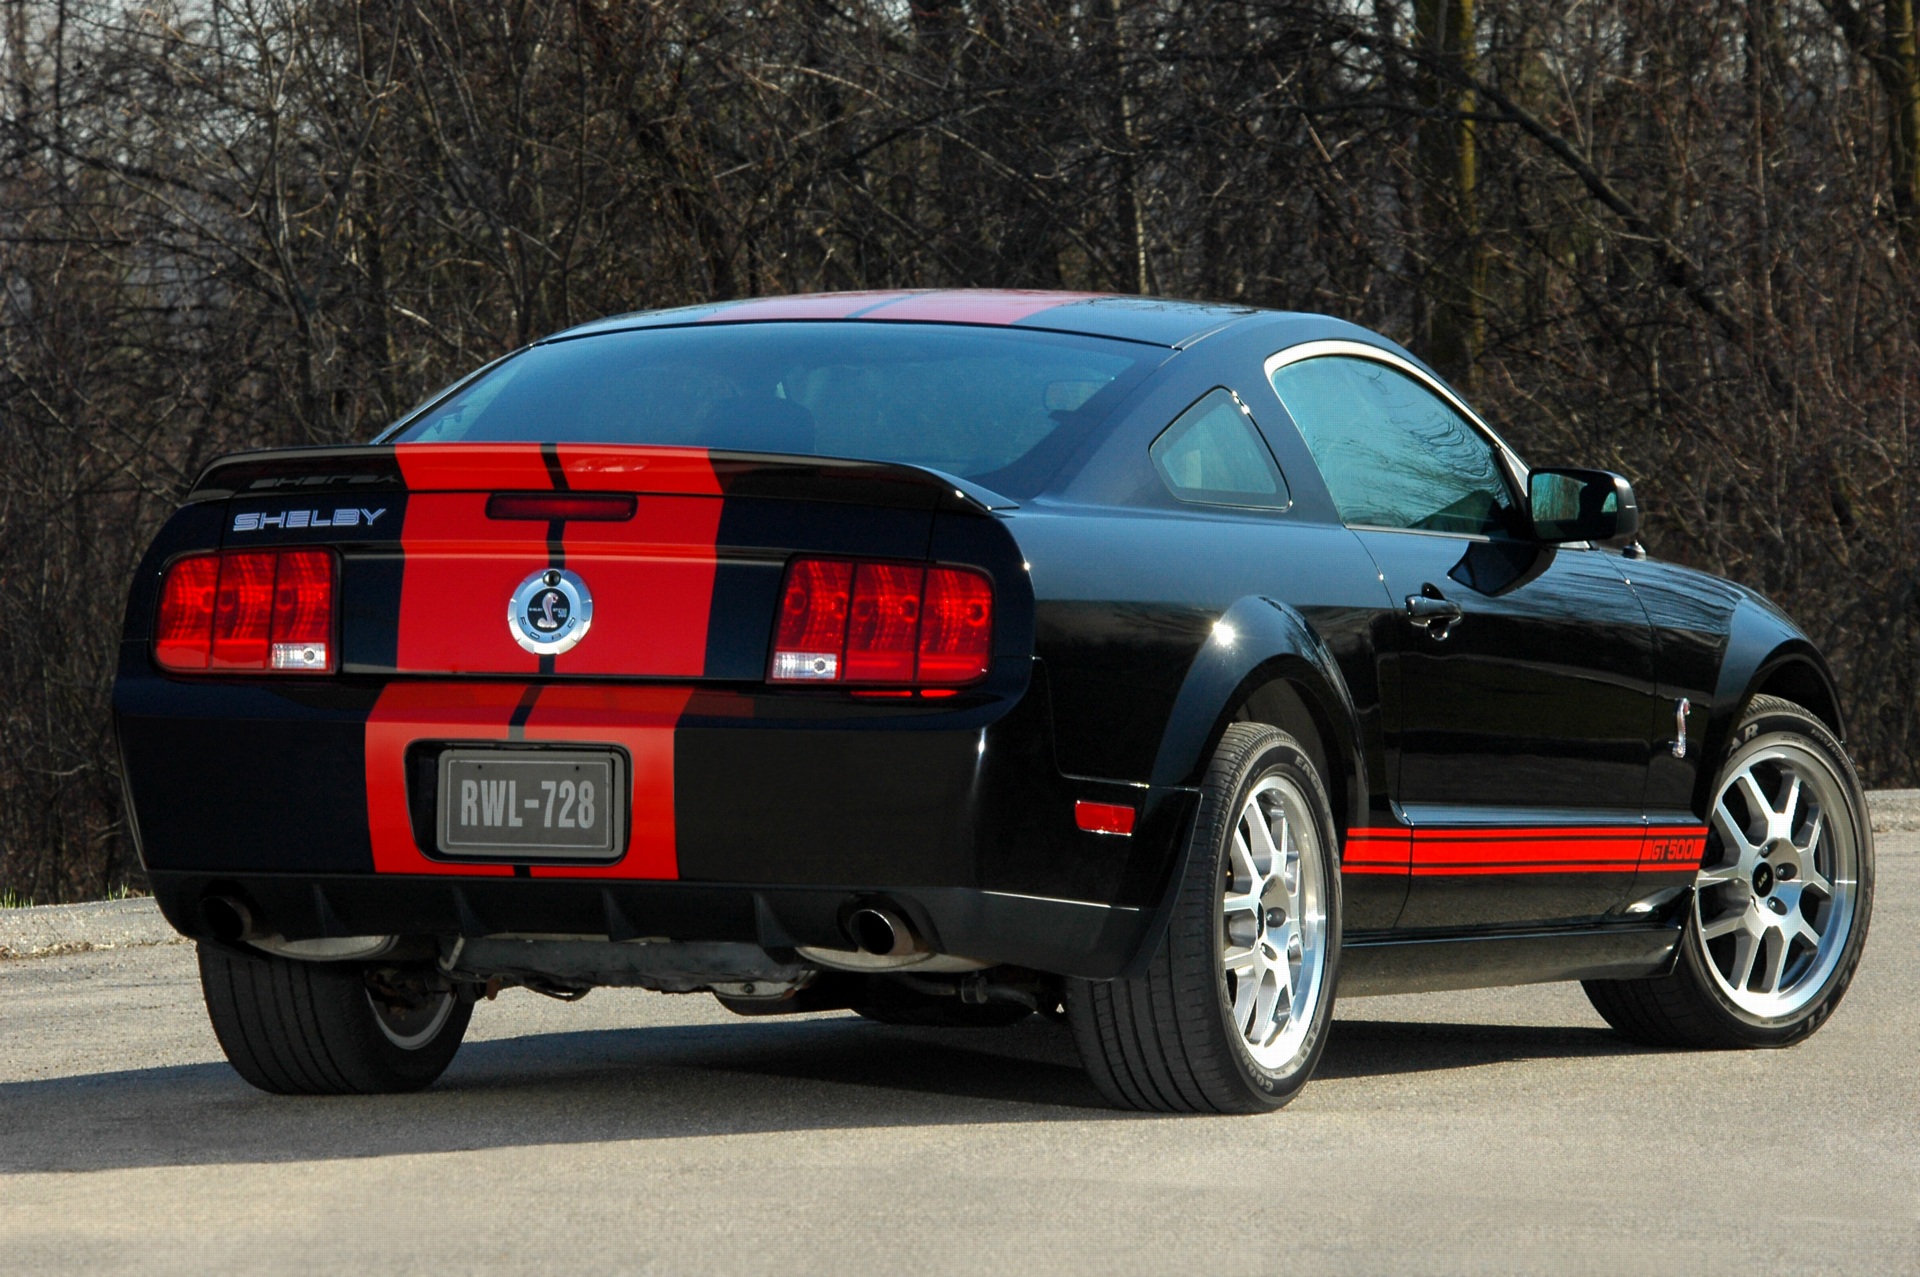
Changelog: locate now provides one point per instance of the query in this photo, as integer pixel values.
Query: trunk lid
(686, 587)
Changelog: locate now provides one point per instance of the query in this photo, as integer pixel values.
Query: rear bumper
(1067, 937)
(757, 816)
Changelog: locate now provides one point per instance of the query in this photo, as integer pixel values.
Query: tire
(321, 1028)
(1758, 893)
(1177, 1039)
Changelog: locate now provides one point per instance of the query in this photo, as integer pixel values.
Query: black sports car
(957, 656)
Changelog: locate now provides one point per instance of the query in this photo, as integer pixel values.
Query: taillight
(882, 623)
(248, 610)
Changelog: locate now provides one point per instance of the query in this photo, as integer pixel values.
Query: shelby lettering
(289, 520)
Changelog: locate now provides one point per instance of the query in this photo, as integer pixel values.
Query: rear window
(999, 407)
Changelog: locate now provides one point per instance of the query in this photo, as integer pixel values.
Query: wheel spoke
(1281, 1012)
(1241, 902)
(1758, 803)
(1260, 841)
(1774, 940)
(1790, 805)
(1746, 950)
(1719, 874)
(1240, 860)
(1242, 960)
(1811, 843)
(1246, 992)
(1724, 925)
(1732, 833)
(1260, 1030)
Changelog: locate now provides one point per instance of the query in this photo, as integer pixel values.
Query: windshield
(995, 406)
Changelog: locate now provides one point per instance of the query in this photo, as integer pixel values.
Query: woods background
(1676, 238)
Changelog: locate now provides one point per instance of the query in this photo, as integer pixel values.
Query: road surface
(1496, 1131)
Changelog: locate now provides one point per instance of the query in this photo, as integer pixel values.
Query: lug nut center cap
(1763, 880)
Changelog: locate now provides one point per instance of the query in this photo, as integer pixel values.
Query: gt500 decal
(291, 519)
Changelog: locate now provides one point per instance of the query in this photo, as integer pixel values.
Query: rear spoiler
(452, 467)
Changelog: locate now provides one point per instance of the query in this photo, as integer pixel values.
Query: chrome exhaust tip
(883, 933)
(227, 919)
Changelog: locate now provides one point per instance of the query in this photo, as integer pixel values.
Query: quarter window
(1212, 453)
(1393, 453)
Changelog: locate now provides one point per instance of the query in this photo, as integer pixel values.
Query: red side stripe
(1543, 850)
(1674, 848)
(1377, 851)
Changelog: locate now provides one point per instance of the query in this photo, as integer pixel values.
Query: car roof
(1152, 320)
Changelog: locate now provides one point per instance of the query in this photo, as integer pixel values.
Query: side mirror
(1581, 505)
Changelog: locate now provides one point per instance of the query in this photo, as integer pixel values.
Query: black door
(1516, 677)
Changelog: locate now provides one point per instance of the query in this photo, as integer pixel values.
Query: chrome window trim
(1517, 470)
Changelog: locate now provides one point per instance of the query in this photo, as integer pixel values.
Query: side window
(1393, 453)
(1212, 453)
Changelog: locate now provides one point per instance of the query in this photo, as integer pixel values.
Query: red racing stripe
(964, 307)
(460, 570)
(639, 719)
(674, 471)
(804, 306)
(1674, 848)
(1525, 850)
(472, 467)
(408, 712)
(461, 567)
(652, 575)
(1377, 851)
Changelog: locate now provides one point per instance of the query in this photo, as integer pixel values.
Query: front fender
(1766, 653)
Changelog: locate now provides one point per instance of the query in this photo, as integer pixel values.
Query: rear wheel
(1232, 1014)
(321, 1028)
(1780, 904)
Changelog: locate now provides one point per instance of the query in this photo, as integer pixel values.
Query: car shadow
(658, 1082)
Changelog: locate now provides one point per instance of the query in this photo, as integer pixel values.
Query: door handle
(1433, 612)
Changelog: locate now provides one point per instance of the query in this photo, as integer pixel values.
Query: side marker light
(1103, 818)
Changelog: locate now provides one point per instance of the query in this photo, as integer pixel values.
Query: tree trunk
(1454, 284)
(1900, 73)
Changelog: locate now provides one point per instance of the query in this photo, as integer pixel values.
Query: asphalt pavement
(1496, 1131)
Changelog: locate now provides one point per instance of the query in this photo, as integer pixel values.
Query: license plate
(548, 804)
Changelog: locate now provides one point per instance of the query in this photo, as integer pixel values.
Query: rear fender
(1256, 645)
(1258, 642)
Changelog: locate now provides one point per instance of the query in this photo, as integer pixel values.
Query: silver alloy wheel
(1274, 922)
(412, 1027)
(1774, 900)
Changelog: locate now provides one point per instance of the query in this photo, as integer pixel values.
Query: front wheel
(327, 1028)
(1232, 1014)
(1781, 901)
